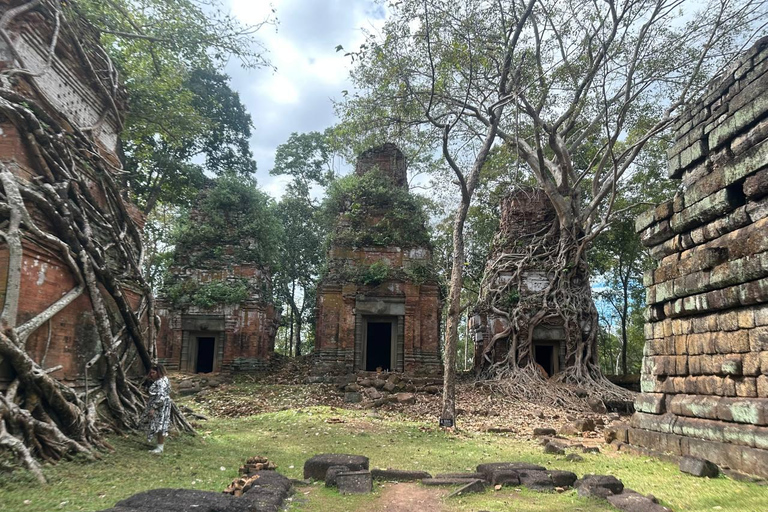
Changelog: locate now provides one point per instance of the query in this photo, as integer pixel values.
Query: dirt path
(408, 497)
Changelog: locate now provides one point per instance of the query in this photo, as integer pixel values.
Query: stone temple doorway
(379, 346)
(205, 354)
(547, 355)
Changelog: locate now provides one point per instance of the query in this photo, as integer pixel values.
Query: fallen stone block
(399, 475)
(699, 467)
(542, 431)
(437, 481)
(489, 468)
(597, 405)
(317, 466)
(406, 398)
(355, 482)
(536, 480)
(562, 478)
(554, 449)
(472, 486)
(631, 501)
(505, 477)
(598, 486)
(266, 495)
(584, 425)
(181, 500)
(332, 473)
(461, 475)
(574, 457)
(353, 397)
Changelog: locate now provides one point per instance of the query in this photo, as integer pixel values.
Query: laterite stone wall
(705, 370)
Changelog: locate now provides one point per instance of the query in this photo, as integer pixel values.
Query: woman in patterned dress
(157, 415)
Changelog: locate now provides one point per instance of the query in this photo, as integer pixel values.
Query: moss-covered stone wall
(705, 366)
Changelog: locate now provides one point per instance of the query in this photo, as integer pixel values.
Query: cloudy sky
(310, 73)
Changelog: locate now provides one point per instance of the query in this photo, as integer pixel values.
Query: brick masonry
(705, 367)
(243, 333)
(344, 308)
(69, 339)
(524, 213)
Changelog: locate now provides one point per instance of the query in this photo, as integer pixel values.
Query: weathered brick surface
(244, 332)
(69, 339)
(344, 305)
(704, 382)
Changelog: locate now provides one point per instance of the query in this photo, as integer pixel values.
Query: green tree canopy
(375, 213)
(233, 222)
(170, 54)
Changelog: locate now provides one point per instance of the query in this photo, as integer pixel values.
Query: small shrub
(207, 295)
(374, 213)
(376, 273)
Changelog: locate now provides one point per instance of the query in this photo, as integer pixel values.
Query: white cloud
(280, 89)
(297, 97)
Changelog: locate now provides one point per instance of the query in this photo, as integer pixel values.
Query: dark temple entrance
(546, 356)
(379, 346)
(205, 351)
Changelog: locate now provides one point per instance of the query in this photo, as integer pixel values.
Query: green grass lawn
(210, 461)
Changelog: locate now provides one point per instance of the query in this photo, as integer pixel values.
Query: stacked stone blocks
(705, 367)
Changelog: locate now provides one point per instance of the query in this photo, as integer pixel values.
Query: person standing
(157, 415)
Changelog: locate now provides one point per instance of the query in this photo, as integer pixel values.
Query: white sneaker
(157, 450)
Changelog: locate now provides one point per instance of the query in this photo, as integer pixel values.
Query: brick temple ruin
(525, 213)
(226, 337)
(69, 340)
(705, 370)
(393, 325)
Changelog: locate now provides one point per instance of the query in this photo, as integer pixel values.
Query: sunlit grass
(210, 461)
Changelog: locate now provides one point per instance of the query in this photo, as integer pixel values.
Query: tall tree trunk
(454, 314)
(299, 324)
(624, 314)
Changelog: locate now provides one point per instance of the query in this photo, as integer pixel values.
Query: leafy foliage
(370, 211)
(234, 222)
(375, 273)
(207, 295)
(170, 54)
(307, 159)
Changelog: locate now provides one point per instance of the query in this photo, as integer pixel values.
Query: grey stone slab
(355, 482)
(562, 478)
(332, 473)
(399, 475)
(598, 486)
(488, 468)
(460, 475)
(317, 466)
(699, 467)
(472, 486)
(631, 501)
(536, 480)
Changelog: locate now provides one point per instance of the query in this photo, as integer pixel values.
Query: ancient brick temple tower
(705, 371)
(69, 93)
(231, 335)
(525, 213)
(391, 323)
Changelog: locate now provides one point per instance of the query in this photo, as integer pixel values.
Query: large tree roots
(73, 207)
(565, 390)
(562, 305)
